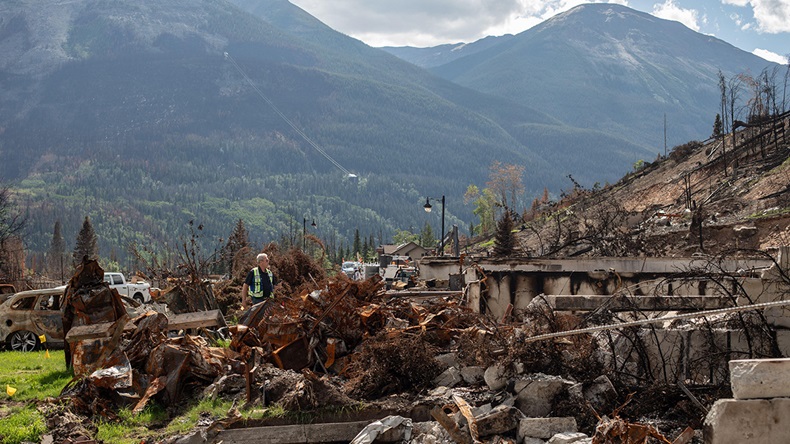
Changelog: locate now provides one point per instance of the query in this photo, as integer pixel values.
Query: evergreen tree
(87, 244)
(718, 129)
(373, 245)
(365, 249)
(357, 244)
(505, 241)
(427, 239)
(239, 239)
(57, 261)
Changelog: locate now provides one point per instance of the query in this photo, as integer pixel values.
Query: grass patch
(23, 424)
(33, 374)
(37, 377)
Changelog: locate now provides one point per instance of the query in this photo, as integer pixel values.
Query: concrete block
(535, 394)
(448, 360)
(601, 394)
(567, 438)
(472, 374)
(500, 420)
(498, 295)
(760, 378)
(545, 427)
(474, 296)
(751, 421)
(496, 377)
(525, 291)
(449, 378)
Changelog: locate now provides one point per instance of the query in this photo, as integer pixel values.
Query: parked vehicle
(350, 268)
(140, 292)
(404, 275)
(27, 315)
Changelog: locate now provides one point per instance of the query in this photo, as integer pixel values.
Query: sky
(761, 27)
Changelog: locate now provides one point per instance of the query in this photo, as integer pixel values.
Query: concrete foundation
(760, 378)
(753, 421)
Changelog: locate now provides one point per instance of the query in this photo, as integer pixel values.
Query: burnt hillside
(704, 197)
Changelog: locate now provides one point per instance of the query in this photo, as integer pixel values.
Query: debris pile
(453, 373)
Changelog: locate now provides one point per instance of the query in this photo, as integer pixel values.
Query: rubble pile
(454, 374)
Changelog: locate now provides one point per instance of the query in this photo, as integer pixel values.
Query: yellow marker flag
(10, 390)
(47, 353)
(42, 338)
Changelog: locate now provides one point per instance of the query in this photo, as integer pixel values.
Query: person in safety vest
(259, 284)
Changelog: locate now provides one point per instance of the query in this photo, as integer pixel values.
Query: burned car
(28, 315)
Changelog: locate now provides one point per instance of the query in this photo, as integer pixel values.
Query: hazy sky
(758, 26)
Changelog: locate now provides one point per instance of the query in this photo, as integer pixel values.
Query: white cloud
(773, 16)
(433, 22)
(670, 11)
(770, 56)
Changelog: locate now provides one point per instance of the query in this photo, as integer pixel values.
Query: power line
(287, 120)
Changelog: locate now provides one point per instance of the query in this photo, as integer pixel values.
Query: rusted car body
(28, 315)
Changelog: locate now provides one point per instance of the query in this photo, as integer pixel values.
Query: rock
(602, 392)
(744, 232)
(448, 360)
(430, 432)
(567, 438)
(528, 440)
(472, 374)
(495, 377)
(535, 394)
(545, 427)
(449, 378)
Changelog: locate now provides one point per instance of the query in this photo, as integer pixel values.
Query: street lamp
(428, 208)
(304, 232)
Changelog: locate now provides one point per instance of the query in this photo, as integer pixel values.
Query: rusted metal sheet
(89, 301)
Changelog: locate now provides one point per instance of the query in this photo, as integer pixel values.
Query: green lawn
(33, 377)
(30, 377)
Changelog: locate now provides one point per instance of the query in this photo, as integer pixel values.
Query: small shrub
(680, 152)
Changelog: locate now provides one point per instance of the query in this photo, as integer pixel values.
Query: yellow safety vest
(256, 290)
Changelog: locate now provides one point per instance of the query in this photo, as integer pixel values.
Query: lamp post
(428, 207)
(304, 232)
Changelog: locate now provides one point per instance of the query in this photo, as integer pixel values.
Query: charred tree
(505, 241)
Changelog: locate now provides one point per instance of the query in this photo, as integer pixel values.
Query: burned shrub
(388, 365)
(680, 152)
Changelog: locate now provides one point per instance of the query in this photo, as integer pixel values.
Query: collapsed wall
(616, 290)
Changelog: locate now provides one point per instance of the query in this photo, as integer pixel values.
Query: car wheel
(139, 298)
(24, 341)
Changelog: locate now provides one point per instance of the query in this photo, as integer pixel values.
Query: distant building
(397, 253)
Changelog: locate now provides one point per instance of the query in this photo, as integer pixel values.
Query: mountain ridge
(143, 119)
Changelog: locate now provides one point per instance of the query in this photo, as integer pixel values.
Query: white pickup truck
(141, 292)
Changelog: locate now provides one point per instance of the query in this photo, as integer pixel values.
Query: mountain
(147, 116)
(443, 54)
(610, 68)
(134, 115)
